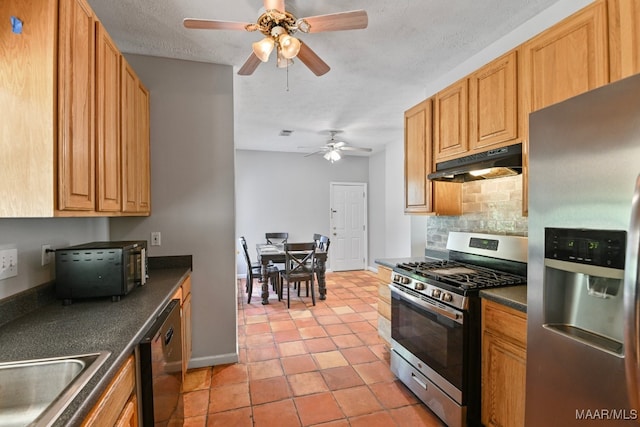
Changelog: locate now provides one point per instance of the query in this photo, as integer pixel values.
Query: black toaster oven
(100, 269)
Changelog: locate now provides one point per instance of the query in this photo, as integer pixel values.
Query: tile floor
(306, 366)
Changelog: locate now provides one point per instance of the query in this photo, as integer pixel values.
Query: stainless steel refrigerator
(582, 297)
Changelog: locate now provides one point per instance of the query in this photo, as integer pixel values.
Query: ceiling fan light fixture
(263, 48)
(282, 61)
(290, 46)
(332, 156)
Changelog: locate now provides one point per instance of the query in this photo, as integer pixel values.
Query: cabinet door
(109, 165)
(186, 333)
(451, 121)
(27, 104)
(624, 38)
(417, 157)
(129, 134)
(493, 104)
(136, 197)
(76, 100)
(503, 384)
(142, 142)
(568, 59)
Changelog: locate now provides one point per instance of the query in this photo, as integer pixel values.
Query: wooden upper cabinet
(27, 104)
(417, 157)
(624, 38)
(135, 142)
(493, 104)
(109, 154)
(568, 59)
(76, 101)
(143, 146)
(451, 121)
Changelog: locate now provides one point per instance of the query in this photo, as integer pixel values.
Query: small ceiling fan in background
(278, 25)
(333, 149)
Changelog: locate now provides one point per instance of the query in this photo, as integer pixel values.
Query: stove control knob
(436, 293)
(447, 297)
(406, 280)
(396, 278)
(419, 286)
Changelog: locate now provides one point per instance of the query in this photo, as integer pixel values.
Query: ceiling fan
(332, 149)
(278, 26)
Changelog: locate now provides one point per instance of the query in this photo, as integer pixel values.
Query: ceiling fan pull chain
(287, 77)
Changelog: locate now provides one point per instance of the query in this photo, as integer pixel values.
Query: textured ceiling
(376, 73)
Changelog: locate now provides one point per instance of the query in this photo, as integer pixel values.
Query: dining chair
(322, 242)
(254, 271)
(276, 238)
(299, 267)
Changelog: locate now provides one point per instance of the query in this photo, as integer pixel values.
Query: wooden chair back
(275, 238)
(322, 242)
(300, 259)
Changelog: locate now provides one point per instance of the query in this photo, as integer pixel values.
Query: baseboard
(371, 268)
(221, 359)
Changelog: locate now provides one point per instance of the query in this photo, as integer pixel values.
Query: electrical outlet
(8, 262)
(156, 238)
(45, 256)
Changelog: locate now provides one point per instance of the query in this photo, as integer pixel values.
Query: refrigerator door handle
(631, 304)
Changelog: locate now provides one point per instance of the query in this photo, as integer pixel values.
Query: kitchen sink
(35, 392)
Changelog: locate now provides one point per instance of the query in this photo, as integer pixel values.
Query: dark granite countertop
(89, 326)
(511, 296)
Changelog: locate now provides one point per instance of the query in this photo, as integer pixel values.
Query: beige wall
(192, 191)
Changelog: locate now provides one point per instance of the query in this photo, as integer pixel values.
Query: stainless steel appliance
(160, 367)
(435, 320)
(100, 269)
(494, 163)
(582, 304)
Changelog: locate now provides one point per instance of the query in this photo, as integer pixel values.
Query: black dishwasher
(160, 358)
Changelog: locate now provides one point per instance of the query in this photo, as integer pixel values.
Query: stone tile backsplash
(491, 206)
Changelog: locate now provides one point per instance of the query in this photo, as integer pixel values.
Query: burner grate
(463, 276)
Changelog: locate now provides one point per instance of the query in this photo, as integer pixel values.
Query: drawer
(505, 321)
(384, 274)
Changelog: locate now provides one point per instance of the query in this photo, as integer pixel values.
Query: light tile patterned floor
(306, 366)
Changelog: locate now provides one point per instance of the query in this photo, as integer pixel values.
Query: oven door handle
(450, 314)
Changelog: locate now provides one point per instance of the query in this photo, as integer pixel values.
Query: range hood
(496, 163)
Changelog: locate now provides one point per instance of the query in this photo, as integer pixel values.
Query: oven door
(432, 337)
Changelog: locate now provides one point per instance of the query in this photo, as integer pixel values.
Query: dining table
(274, 254)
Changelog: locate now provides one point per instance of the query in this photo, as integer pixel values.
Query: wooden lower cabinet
(183, 293)
(384, 304)
(504, 343)
(118, 404)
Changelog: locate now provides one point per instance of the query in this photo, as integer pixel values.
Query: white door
(348, 226)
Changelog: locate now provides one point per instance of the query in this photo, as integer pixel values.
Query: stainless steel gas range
(435, 320)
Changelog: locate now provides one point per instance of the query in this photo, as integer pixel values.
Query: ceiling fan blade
(354, 20)
(348, 148)
(208, 24)
(250, 65)
(274, 4)
(311, 60)
(339, 144)
(315, 152)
